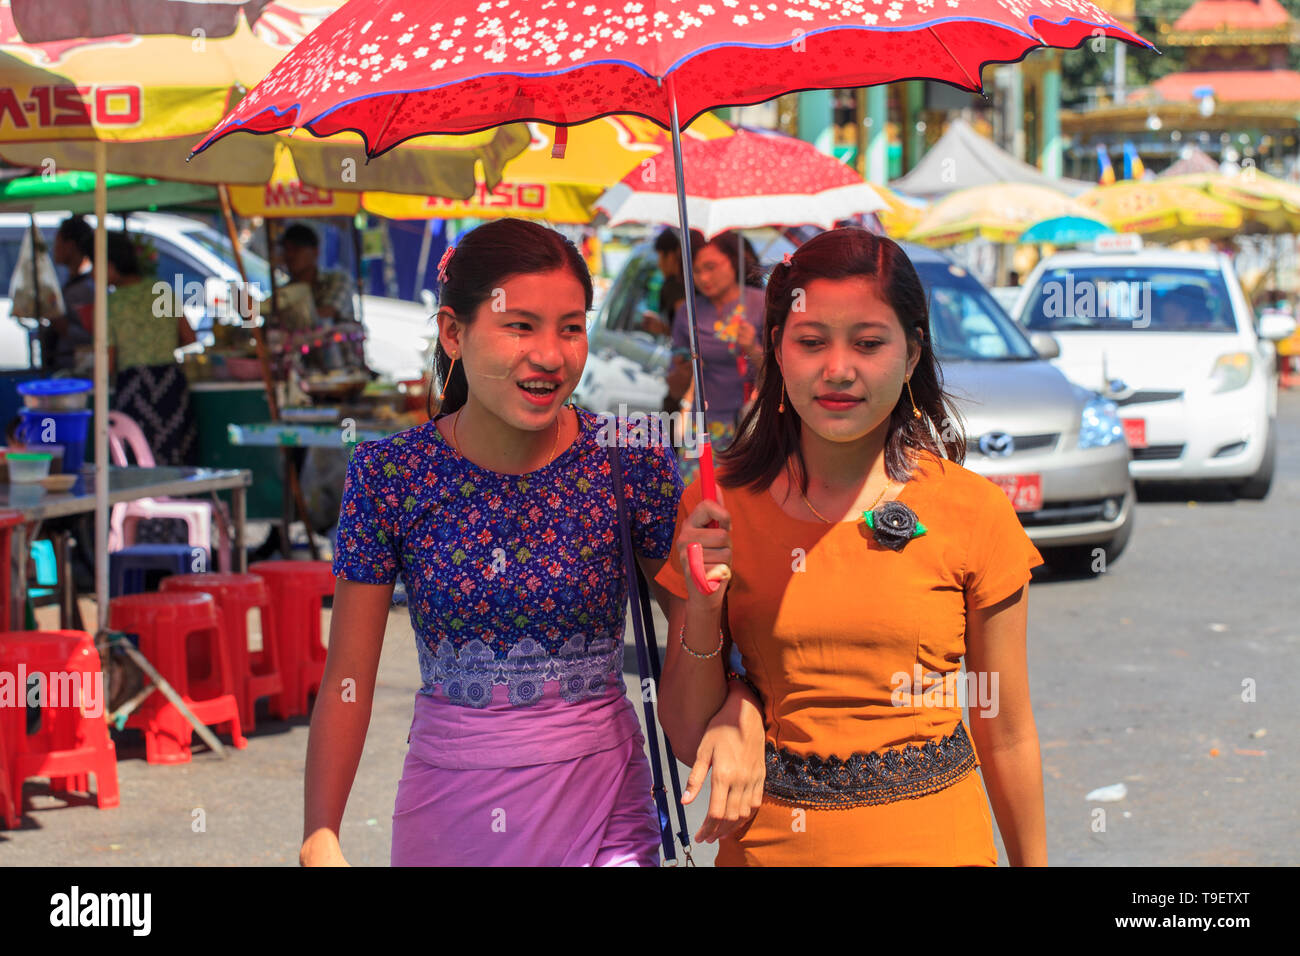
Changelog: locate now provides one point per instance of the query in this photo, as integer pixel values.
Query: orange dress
(847, 642)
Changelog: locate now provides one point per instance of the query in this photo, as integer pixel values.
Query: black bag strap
(647, 660)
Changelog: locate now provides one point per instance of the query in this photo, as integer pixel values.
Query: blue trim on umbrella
(1037, 40)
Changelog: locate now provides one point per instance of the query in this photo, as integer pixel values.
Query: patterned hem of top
(866, 779)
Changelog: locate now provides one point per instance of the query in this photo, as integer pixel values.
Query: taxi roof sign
(1118, 242)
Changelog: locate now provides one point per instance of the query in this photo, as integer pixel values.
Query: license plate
(1025, 492)
(1135, 431)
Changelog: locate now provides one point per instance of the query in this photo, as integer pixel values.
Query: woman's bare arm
(341, 715)
(1003, 728)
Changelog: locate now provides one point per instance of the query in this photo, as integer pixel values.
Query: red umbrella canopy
(738, 182)
(393, 69)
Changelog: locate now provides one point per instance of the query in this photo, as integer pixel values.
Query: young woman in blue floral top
(499, 516)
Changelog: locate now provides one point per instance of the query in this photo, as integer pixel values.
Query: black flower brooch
(893, 524)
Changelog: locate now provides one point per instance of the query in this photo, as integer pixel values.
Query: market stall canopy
(59, 97)
(1162, 211)
(75, 193)
(963, 159)
(999, 213)
(1267, 204)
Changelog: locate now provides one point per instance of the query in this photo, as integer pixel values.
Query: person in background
(730, 338)
(668, 249)
(73, 246)
(146, 325)
(331, 289)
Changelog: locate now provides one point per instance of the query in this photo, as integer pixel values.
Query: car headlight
(1099, 425)
(1231, 371)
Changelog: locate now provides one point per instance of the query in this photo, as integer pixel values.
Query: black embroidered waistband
(864, 779)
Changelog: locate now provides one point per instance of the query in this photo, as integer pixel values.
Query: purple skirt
(595, 809)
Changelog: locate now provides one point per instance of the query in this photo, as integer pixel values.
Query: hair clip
(787, 259)
(442, 263)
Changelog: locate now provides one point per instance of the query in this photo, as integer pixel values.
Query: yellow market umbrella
(147, 97)
(1162, 211)
(537, 185)
(1267, 204)
(999, 213)
(900, 216)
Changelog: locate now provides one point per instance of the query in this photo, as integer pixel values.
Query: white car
(1171, 339)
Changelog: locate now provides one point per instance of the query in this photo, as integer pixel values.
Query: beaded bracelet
(681, 636)
(736, 675)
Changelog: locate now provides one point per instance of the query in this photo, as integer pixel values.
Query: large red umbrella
(393, 69)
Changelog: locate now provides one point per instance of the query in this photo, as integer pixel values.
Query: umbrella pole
(707, 486)
(101, 389)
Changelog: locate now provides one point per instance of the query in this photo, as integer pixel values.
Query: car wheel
(1082, 558)
(1256, 487)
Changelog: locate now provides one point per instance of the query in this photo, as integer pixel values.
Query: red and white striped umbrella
(743, 181)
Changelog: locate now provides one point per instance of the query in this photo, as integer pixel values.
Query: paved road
(1137, 678)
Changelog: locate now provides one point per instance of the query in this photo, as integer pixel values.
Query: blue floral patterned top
(511, 580)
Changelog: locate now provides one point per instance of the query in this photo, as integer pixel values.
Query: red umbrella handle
(695, 553)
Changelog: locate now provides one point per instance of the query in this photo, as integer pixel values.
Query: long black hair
(485, 258)
(766, 438)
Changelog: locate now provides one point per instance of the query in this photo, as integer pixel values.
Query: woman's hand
(733, 746)
(715, 545)
(322, 849)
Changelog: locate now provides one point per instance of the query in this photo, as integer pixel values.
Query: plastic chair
(297, 590)
(71, 743)
(8, 521)
(129, 569)
(256, 673)
(164, 623)
(198, 516)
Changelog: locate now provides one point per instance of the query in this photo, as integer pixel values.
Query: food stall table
(295, 435)
(124, 484)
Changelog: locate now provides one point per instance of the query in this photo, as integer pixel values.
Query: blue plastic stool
(47, 568)
(140, 567)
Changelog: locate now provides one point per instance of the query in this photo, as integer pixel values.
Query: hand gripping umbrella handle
(694, 553)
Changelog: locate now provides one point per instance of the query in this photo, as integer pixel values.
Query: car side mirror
(1275, 326)
(1045, 345)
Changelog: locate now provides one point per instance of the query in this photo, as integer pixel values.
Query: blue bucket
(40, 427)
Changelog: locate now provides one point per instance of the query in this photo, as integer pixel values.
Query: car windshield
(1118, 298)
(255, 267)
(966, 324)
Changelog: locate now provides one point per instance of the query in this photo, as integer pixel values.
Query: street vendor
(331, 289)
(73, 247)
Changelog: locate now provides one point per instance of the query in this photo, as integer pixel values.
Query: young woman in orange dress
(857, 563)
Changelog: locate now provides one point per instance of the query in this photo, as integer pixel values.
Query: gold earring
(442, 392)
(781, 407)
(916, 412)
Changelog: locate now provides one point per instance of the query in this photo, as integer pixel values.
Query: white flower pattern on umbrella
(722, 51)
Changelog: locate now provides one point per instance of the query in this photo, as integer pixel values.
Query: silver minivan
(1057, 450)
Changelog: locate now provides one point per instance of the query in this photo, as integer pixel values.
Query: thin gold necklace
(828, 520)
(455, 442)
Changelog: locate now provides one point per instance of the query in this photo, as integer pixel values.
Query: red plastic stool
(257, 673)
(71, 743)
(164, 622)
(297, 589)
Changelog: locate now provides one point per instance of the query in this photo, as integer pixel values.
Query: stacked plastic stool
(164, 623)
(256, 673)
(72, 741)
(297, 590)
(131, 569)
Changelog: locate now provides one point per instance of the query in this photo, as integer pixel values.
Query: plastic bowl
(27, 467)
(56, 394)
